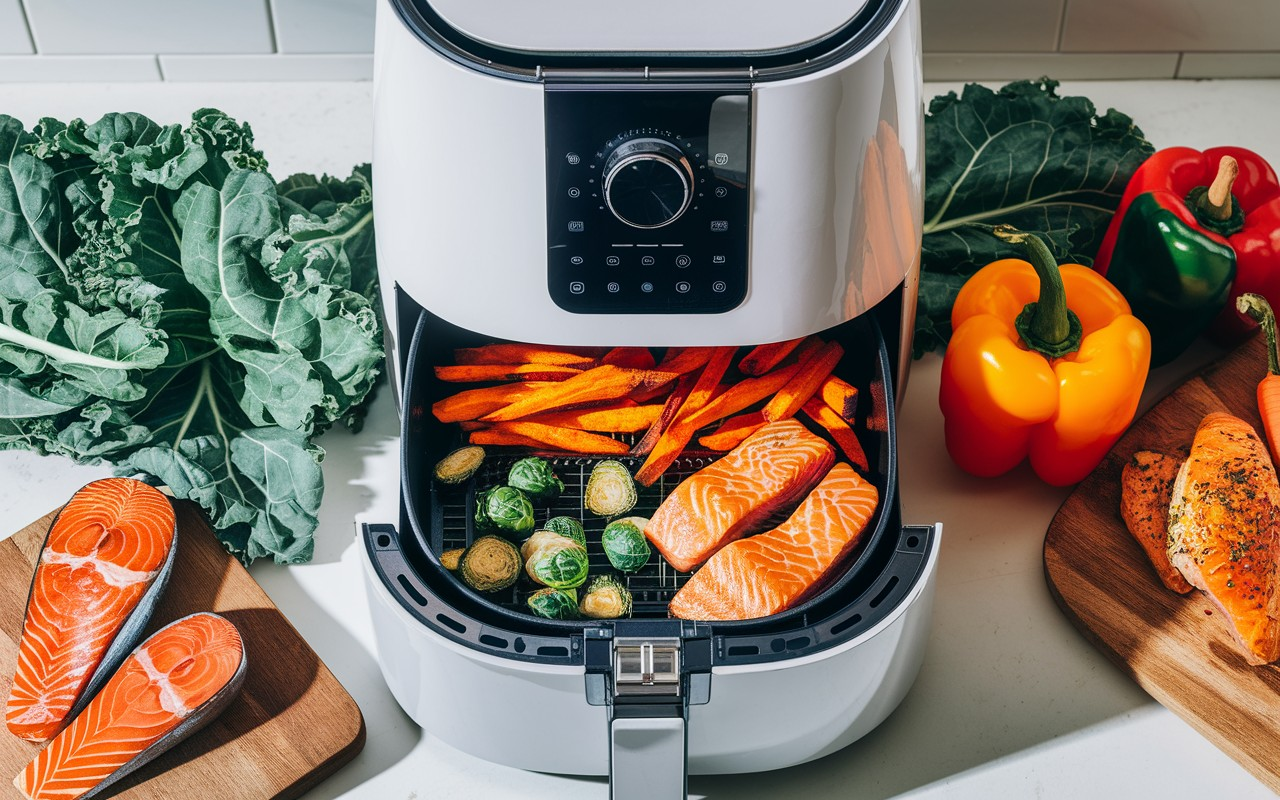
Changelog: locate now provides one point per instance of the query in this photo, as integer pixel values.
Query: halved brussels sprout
(489, 564)
(624, 543)
(567, 526)
(460, 464)
(610, 490)
(554, 560)
(554, 603)
(606, 598)
(504, 509)
(451, 559)
(534, 477)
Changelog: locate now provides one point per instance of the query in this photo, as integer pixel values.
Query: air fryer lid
(656, 26)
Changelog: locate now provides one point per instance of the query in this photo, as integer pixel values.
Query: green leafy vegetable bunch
(166, 306)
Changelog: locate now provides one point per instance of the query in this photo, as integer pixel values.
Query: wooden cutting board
(292, 724)
(1176, 647)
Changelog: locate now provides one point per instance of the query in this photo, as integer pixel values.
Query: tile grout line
(26, 20)
(1177, 67)
(160, 67)
(1062, 27)
(271, 26)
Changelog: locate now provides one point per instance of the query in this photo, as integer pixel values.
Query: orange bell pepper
(1055, 379)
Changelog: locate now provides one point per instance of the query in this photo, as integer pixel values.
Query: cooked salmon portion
(172, 684)
(1146, 489)
(100, 573)
(734, 495)
(773, 571)
(1223, 526)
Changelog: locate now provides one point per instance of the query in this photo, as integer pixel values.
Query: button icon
(573, 158)
(717, 259)
(576, 260)
(576, 226)
(719, 286)
(612, 261)
(646, 287)
(646, 261)
(721, 159)
(683, 261)
(683, 287)
(577, 287)
(574, 191)
(717, 225)
(614, 287)
(721, 191)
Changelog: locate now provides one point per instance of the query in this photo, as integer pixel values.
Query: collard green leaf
(1022, 156)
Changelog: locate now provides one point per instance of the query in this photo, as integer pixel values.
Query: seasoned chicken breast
(1223, 525)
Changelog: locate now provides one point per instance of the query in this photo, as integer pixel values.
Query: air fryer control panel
(648, 198)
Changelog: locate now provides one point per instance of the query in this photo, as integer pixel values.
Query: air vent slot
(405, 584)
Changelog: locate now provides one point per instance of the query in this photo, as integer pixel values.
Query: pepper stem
(1217, 201)
(1213, 205)
(1047, 325)
(1256, 306)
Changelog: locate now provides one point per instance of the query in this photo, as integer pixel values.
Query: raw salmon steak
(1224, 520)
(731, 497)
(104, 564)
(776, 570)
(175, 681)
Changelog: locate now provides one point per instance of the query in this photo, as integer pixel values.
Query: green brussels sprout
(505, 510)
(567, 526)
(554, 603)
(554, 560)
(610, 490)
(624, 543)
(534, 477)
(489, 564)
(606, 598)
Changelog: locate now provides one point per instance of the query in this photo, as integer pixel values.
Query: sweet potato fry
(613, 418)
(840, 431)
(474, 373)
(475, 403)
(605, 382)
(674, 400)
(680, 431)
(489, 436)
(842, 397)
(683, 360)
(767, 356)
(516, 353)
(629, 357)
(566, 439)
(804, 384)
(732, 431)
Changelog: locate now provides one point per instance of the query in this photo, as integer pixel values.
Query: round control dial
(648, 182)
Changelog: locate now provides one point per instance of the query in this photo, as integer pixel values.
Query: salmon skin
(1224, 520)
(726, 500)
(175, 682)
(773, 571)
(102, 568)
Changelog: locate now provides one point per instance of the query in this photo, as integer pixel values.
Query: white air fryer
(580, 172)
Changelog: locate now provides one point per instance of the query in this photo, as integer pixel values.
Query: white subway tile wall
(190, 40)
(13, 29)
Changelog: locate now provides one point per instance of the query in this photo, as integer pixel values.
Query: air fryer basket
(437, 518)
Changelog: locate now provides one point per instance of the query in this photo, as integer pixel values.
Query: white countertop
(1011, 701)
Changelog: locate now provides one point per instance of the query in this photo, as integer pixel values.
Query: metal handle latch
(646, 666)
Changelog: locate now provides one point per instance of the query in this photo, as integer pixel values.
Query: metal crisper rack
(651, 588)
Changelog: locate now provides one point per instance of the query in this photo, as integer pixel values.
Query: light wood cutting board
(292, 724)
(1176, 647)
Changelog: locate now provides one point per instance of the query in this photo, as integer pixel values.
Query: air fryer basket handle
(648, 758)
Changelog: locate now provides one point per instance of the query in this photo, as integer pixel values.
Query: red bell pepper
(1251, 228)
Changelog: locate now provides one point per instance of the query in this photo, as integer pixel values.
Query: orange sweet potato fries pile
(575, 399)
